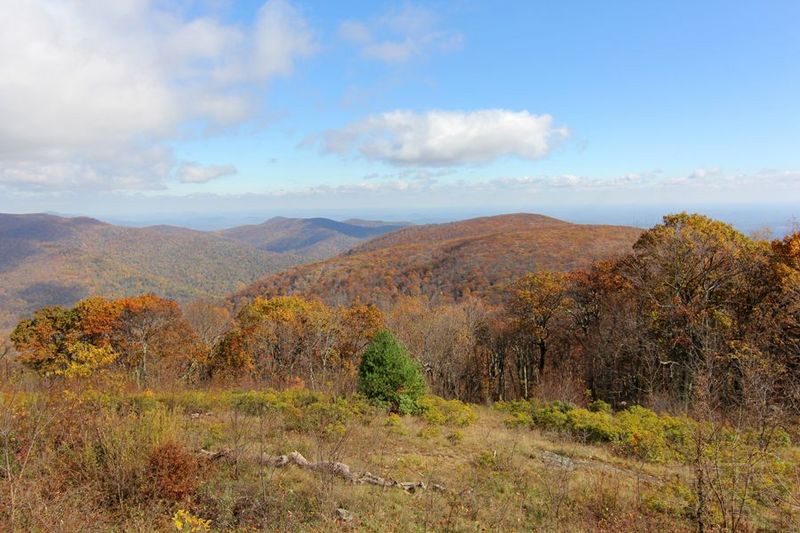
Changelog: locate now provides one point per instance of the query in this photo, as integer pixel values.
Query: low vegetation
(86, 459)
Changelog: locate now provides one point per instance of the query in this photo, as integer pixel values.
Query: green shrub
(599, 406)
(552, 416)
(519, 419)
(441, 412)
(593, 427)
(636, 432)
(652, 437)
(388, 376)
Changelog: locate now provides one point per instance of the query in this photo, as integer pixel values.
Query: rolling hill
(51, 260)
(310, 238)
(449, 260)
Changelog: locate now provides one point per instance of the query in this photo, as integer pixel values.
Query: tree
(695, 282)
(601, 316)
(281, 339)
(776, 324)
(63, 342)
(538, 302)
(287, 338)
(152, 327)
(209, 321)
(98, 332)
(443, 338)
(389, 376)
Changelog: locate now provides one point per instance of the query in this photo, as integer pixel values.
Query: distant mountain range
(52, 260)
(448, 261)
(310, 238)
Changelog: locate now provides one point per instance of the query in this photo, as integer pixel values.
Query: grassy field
(79, 460)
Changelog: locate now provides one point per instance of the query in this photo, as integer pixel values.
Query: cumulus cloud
(445, 138)
(118, 168)
(91, 91)
(196, 173)
(400, 35)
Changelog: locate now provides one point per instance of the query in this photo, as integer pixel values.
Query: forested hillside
(311, 238)
(449, 261)
(50, 260)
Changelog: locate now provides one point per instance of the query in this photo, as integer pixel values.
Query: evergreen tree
(388, 375)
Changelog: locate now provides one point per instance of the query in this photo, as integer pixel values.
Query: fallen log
(333, 468)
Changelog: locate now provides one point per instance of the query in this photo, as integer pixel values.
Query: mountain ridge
(52, 260)
(449, 260)
(314, 238)
(49, 259)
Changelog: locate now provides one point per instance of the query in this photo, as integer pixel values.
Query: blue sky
(145, 107)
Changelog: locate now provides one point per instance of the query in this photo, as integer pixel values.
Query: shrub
(254, 403)
(328, 418)
(636, 431)
(393, 421)
(141, 402)
(519, 419)
(552, 416)
(388, 376)
(599, 406)
(438, 411)
(593, 427)
(191, 401)
(394, 424)
(172, 472)
(653, 437)
(186, 522)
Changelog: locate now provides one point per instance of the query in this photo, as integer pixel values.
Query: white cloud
(281, 36)
(90, 87)
(196, 173)
(705, 173)
(574, 182)
(400, 36)
(122, 168)
(445, 138)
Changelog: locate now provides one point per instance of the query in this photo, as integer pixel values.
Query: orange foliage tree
(287, 338)
(99, 333)
(151, 327)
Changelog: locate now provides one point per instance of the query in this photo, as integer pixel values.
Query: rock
(558, 460)
(344, 515)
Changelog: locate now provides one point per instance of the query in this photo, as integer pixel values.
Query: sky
(145, 109)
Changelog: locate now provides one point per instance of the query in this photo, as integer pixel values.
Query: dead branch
(333, 468)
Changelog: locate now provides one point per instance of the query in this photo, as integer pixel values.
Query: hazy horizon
(779, 219)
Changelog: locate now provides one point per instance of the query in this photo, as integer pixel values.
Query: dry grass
(130, 462)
